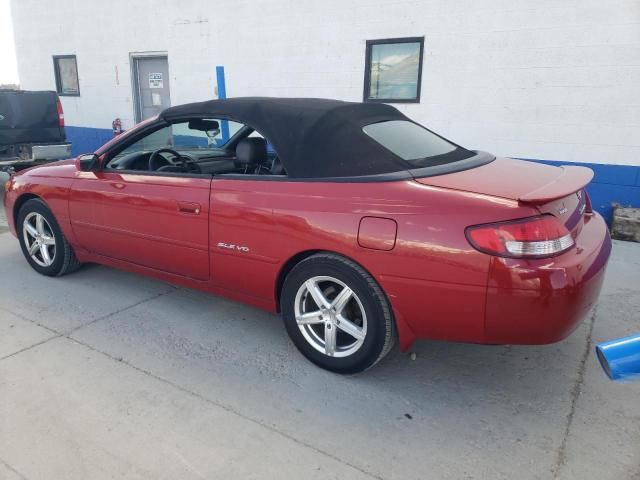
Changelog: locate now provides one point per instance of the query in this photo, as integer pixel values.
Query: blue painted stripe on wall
(611, 184)
(87, 140)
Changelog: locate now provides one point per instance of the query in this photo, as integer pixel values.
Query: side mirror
(87, 162)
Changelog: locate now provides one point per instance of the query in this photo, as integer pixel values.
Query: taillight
(60, 114)
(532, 237)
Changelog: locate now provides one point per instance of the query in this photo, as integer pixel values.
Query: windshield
(415, 144)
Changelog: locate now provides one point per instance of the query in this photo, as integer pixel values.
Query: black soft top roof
(323, 139)
(314, 138)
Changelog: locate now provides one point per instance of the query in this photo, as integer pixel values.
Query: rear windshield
(415, 144)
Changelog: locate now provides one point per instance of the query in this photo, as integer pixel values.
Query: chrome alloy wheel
(39, 239)
(330, 316)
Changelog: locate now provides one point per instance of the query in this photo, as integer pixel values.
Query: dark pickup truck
(31, 129)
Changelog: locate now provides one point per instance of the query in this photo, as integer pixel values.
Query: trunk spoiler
(569, 181)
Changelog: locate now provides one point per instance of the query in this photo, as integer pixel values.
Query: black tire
(380, 331)
(64, 259)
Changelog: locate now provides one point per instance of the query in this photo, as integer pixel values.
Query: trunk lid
(555, 190)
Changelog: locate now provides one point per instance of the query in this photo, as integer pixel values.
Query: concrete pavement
(104, 374)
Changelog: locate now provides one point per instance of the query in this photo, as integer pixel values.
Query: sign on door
(155, 80)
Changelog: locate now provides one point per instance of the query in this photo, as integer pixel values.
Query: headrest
(251, 151)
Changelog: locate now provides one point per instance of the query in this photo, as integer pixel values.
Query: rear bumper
(26, 154)
(543, 301)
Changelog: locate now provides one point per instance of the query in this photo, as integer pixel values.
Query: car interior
(243, 154)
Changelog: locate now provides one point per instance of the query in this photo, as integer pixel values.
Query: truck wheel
(336, 314)
(42, 241)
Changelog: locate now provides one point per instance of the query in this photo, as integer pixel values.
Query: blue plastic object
(620, 358)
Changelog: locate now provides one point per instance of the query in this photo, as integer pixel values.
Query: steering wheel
(157, 160)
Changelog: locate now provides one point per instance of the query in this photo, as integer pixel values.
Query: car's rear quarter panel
(434, 280)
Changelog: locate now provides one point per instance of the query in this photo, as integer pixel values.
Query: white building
(555, 80)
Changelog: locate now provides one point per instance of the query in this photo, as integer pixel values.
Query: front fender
(53, 190)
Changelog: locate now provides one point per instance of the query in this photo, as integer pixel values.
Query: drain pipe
(620, 359)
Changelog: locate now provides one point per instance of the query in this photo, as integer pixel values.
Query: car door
(160, 222)
(157, 219)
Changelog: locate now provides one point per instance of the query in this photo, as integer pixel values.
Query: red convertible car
(357, 224)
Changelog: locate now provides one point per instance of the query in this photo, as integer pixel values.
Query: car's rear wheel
(42, 242)
(336, 314)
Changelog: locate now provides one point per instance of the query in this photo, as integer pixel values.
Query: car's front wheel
(336, 313)
(42, 242)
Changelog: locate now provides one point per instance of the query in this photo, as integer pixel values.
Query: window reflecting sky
(394, 70)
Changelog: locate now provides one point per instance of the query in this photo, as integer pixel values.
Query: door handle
(188, 207)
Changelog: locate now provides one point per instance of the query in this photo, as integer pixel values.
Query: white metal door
(151, 85)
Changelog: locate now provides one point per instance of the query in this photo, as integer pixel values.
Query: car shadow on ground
(195, 328)
(216, 336)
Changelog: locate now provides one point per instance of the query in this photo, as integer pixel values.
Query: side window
(203, 135)
(206, 146)
(154, 141)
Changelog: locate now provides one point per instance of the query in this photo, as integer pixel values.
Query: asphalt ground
(106, 374)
